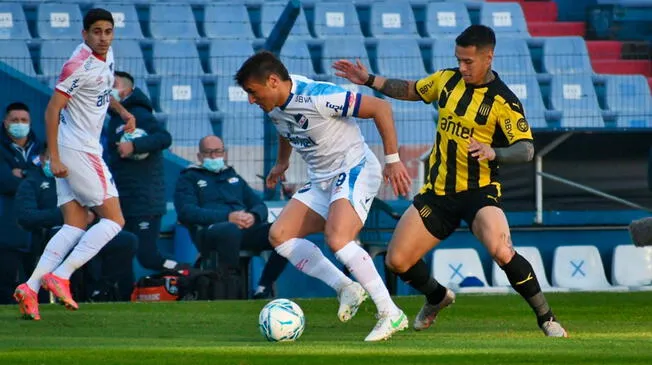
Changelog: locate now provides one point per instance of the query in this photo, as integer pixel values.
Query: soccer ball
(281, 320)
(128, 137)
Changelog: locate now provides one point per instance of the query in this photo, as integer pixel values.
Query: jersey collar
(289, 99)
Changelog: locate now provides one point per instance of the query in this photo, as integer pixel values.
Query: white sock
(89, 245)
(360, 265)
(56, 249)
(309, 259)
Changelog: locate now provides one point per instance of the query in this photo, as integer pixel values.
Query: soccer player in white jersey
(316, 119)
(74, 118)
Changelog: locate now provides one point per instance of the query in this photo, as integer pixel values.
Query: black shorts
(442, 214)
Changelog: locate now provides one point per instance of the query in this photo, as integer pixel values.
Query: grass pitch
(605, 328)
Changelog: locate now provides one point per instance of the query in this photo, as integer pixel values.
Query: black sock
(419, 278)
(524, 281)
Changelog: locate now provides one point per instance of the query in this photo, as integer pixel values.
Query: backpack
(173, 285)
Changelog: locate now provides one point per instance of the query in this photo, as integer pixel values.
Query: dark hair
(95, 15)
(16, 106)
(480, 36)
(125, 75)
(259, 67)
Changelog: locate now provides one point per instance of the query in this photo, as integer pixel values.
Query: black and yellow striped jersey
(489, 113)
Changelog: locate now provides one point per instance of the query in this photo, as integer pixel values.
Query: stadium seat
(271, 11)
(574, 96)
(224, 20)
(54, 54)
(172, 21)
(533, 256)
(347, 85)
(59, 21)
(399, 58)
(188, 128)
(13, 24)
(336, 19)
(171, 58)
(392, 19)
(296, 57)
(512, 56)
(629, 96)
(506, 19)
(566, 55)
(242, 123)
(632, 267)
(526, 88)
(447, 19)
(443, 54)
(129, 57)
(227, 55)
(125, 20)
(451, 266)
(335, 49)
(183, 95)
(580, 268)
(16, 54)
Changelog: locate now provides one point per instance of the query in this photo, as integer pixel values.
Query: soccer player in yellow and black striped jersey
(481, 125)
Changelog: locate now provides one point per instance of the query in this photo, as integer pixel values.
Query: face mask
(214, 164)
(46, 169)
(115, 93)
(19, 130)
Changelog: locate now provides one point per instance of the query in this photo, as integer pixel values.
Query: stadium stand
(580, 268)
(13, 24)
(172, 21)
(392, 19)
(227, 55)
(129, 56)
(632, 267)
(451, 19)
(453, 266)
(59, 21)
(222, 20)
(125, 19)
(176, 57)
(16, 54)
(399, 58)
(336, 19)
(533, 256)
(506, 19)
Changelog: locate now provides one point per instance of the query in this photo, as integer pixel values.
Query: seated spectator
(224, 214)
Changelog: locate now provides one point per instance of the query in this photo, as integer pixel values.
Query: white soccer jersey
(86, 79)
(316, 120)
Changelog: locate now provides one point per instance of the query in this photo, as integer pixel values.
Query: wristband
(370, 80)
(393, 158)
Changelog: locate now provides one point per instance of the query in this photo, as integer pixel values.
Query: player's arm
(58, 101)
(394, 88)
(282, 163)
(521, 151)
(511, 120)
(130, 121)
(381, 112)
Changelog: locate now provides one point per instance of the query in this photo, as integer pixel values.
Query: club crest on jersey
(301, 120)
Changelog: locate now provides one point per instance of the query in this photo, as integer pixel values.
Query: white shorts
(359, 186)
(89, 180)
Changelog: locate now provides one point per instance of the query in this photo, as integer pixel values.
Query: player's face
(99, 37)
(474, 63)
(266, 95)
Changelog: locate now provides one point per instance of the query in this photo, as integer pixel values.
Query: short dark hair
(260, 66)
(125, 75)
(480, 36)
(16, 106)
(95, 15)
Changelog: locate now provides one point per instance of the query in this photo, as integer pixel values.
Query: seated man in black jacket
(109, 275)
(224, 214)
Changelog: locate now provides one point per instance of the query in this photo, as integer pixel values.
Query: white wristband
(393, 158)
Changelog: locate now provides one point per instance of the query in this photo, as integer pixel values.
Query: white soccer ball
(128, 137)
(281, 320)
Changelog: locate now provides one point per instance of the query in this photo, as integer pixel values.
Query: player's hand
(481, 151)
(130, 121)
(277, 172)
(356, 73)
(396, 174)
(125, 149)
(58, 168)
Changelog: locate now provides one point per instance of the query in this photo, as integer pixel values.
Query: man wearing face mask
(224, 214)
(137, 167)
(18, 147)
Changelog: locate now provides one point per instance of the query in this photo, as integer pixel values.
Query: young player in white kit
(74, 119)
(315, 118)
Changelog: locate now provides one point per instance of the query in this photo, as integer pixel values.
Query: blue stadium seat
(296, 57)
(172, 21)
(629, 96)
(59, 21)
(176, 58)
(187, 129)
(270, 12)
(447, 19)
(336, 20)
(54, 54)
(16, 54)
(443, 54)
(335, 49)
(512, 56)
(506, 19)
(574, 96)
(414, 121)
(399, 58)
(227, 21)
(129, 57)
(227, 55)
(125, 20)
(183, 95)
(392, 19)
(347, 85)
(242, 123)
(526, 88)
(13, 24)
(566, 55)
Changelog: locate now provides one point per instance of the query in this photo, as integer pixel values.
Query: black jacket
(36, 206)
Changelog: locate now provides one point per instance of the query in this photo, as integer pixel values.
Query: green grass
(605, 328)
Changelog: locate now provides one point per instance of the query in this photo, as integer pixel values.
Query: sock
(309, 259)
(272, 270)
(360, 265)
(89, 245)
(522, 278)
(419, 278)
(55, 251)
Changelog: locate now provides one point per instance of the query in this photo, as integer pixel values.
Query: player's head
(265, 79)
(17, 121)
(474, 50)
(98, 30)
(123, 85)
(211, 153)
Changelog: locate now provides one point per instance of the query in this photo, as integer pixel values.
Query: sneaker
(428, 312)
(350, 297)
(553, 328)
(387, 325)
(27, 302)
(60, 288)
(263, 292)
